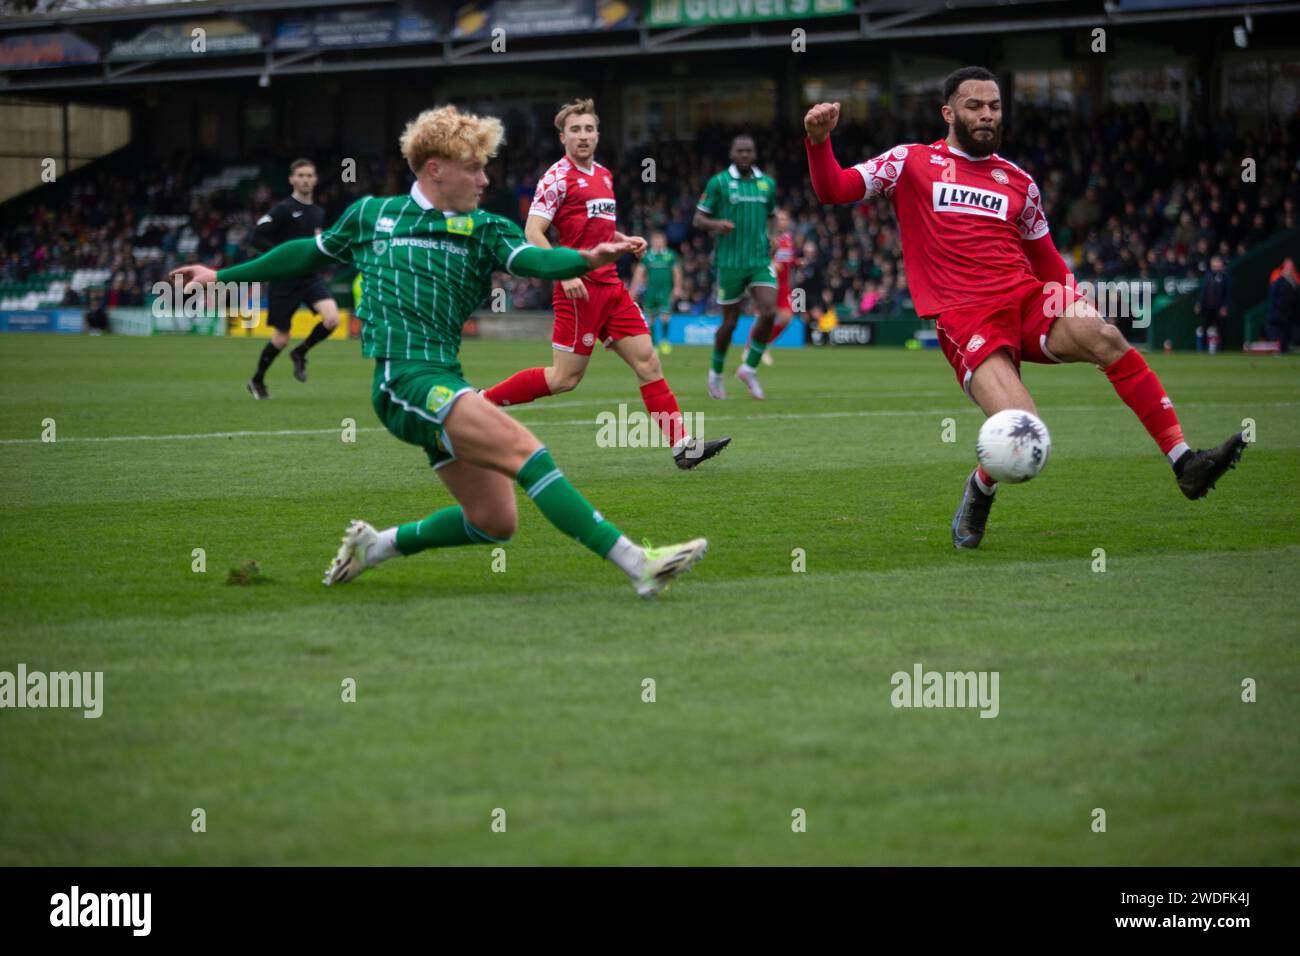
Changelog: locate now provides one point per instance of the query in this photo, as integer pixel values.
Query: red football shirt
(784, 257)
(961, 220)
(580, 204)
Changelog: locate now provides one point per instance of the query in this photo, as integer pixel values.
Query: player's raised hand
(820, 120)
(607, 252)
(194, 275)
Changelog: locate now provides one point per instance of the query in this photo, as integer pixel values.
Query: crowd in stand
(1127, 196)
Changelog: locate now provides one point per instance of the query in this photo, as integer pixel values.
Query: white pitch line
(194, 437)
(794, 416)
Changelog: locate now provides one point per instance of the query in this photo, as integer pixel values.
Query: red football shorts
(606, 315)
(1017, 321)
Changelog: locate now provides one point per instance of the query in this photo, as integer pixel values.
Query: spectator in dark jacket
(1283, 306)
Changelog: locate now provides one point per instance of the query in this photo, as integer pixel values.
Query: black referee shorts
(284, 297)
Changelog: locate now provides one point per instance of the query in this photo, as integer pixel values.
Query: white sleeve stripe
(540, 214)
(320, 244)
(518, 249)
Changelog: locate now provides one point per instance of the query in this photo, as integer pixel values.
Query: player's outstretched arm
(561, 262)
(289, 260)
(832, 184)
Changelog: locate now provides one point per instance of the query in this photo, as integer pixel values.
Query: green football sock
(755, 353)
(654, 331)
(445, 528)
(719, 361)
(564, 505)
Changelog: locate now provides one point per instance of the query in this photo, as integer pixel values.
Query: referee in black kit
(294, 218)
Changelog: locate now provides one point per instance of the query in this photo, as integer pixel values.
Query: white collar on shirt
(735, 173)
(419, 197)
(422, 201)
(585, 172)
(963, 155)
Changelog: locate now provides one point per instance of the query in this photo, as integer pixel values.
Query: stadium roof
(109, 43)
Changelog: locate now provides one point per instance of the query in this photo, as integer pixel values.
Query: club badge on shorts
(439, 396)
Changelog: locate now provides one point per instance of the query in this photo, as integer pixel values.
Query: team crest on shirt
(439, 396)
(460, 225)
(379, 246)
(974, 344)
(1000, 176)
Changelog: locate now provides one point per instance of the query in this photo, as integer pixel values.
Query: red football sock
(661, 403)
(520, 388)
(985, 479)
(1141, 390)
(777, 328)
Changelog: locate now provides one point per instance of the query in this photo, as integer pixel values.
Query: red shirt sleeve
(1045, 261)
(832, 184)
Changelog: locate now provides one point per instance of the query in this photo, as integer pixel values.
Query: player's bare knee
(648, 369)
(521, 444)
(563, 381)
(1110, 345)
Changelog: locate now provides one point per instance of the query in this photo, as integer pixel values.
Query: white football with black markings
(1013, 446)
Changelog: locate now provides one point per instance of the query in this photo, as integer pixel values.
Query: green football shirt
(659, 273)
(748, 201)
(425, 270)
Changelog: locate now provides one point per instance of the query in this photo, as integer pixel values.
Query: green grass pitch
(522, 690)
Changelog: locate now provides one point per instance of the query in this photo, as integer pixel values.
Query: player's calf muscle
(497, 516)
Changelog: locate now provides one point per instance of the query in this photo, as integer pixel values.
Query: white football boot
(351, 559)
(662, 565)
(750, 377)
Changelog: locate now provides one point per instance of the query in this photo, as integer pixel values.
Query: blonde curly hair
(447, 133)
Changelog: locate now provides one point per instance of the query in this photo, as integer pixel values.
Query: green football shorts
(732, 283)
(413, 399)
(657, 305)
